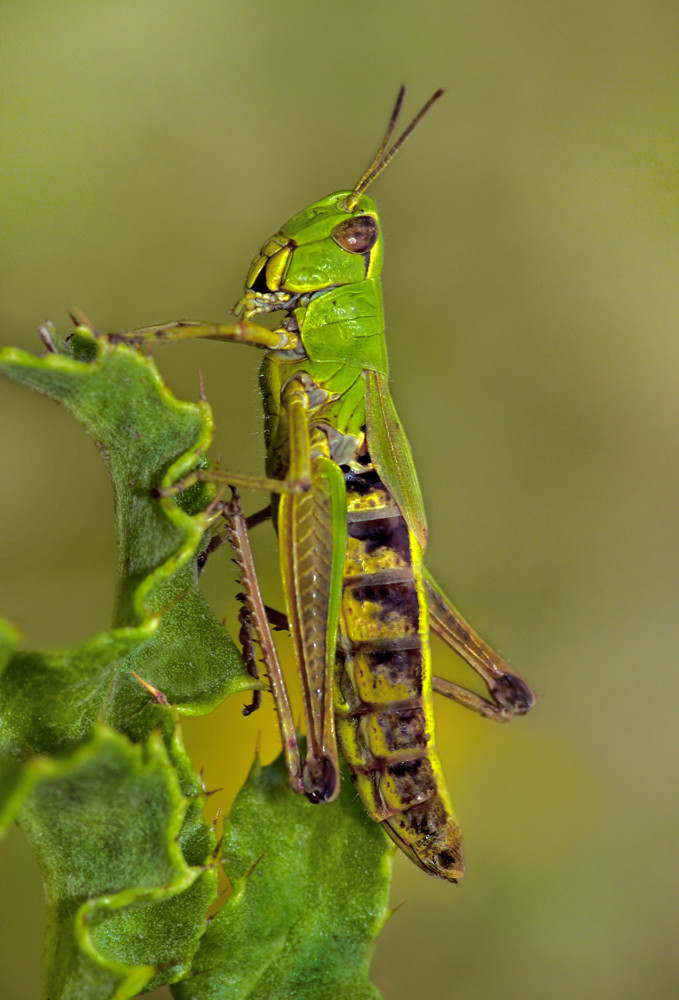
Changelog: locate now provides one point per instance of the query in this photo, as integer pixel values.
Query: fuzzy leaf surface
(125, 910)
(163, 627)
(310, 890)
(92, 765)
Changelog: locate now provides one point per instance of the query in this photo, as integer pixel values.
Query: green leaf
(116, 817)
(310, 889)
(163, 628)
(124, 909)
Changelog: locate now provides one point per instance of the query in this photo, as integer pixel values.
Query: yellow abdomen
(383, 697)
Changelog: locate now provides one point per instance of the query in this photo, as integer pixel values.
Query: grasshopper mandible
(351, 526)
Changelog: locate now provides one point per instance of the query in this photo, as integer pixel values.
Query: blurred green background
(146, 152)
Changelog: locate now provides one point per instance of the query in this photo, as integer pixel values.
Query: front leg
(187, 329)
(510, 695)
(299, 474)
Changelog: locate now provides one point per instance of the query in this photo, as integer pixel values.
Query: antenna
(382, 158)
(385, 142)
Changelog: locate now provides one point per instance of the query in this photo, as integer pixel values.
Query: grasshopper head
(335, 241)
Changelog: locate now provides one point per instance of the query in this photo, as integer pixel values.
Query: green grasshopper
(351, 526)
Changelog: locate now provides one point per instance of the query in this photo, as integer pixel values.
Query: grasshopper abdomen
(383, 698)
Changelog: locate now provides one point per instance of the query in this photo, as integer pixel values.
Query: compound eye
(356, 235)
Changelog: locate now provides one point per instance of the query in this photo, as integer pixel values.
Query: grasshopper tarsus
(320, 779)
(254, 704)
(277, 619)
(512, 693)
(218, 539)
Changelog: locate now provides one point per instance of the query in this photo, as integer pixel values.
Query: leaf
(163, 628)
(310, 888)
(124, 909)
(116, 817)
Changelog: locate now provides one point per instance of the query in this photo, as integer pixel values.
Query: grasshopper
(348, 510)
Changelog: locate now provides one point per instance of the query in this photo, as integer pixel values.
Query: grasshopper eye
(356, 235)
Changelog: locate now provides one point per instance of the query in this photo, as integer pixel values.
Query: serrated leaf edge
(192, 526)
(145, 757)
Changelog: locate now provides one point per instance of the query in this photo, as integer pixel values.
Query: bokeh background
(532, 251)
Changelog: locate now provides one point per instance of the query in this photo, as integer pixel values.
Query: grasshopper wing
(391, 455)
